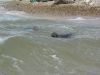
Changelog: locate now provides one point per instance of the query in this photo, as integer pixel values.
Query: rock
(88, 2)
(56, 2)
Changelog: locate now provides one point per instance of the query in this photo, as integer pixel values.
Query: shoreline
(46, 9)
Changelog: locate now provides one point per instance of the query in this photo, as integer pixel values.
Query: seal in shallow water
(35, 28)
(57, 35)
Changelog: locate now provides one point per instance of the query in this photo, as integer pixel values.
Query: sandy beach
(48, 9)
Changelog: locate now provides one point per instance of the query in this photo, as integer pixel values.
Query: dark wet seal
(57, 35)
(35, 28)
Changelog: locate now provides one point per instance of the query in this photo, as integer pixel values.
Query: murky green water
(24, 51)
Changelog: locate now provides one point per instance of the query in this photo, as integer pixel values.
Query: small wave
(3, 39)
(77, 18)
(2, 8)
(13, 15)
(5, 17)
(83, 18)
(18, 13)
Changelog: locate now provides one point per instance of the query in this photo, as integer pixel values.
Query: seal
(35, 28)
(64, 35)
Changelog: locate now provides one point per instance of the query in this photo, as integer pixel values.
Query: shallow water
(24, 51)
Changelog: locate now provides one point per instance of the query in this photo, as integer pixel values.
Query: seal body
(64, 35)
